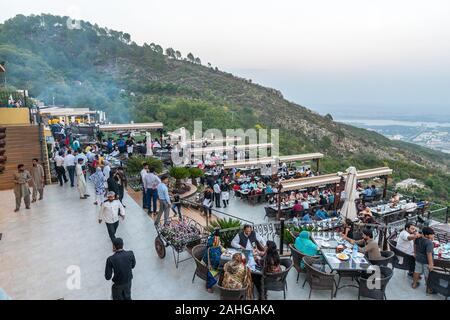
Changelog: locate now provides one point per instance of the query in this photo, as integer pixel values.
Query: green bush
(227, 236)
(134, 164)
(195, 173)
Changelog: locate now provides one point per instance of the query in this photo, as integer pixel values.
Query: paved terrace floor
(39, 245)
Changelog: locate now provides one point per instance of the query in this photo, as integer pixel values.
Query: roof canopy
(230, 148)
(61, 112)
(220, 140)
(301, 157)
(131, 126)
(273, 160)
(317, 181)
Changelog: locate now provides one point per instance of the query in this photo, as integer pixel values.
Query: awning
(61, 112)
(131, 126)
(301, 157)
(230, 148)
(317, 181)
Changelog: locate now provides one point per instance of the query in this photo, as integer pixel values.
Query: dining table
(327, 243)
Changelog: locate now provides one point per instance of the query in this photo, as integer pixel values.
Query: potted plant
(178, 173)
(227, 236)
(195, 173)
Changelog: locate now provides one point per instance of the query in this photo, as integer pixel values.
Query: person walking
(59, 167)
(110, 211)
(151, 183)
(119, 268)
(69, 163)
(122, 182)
(21, 189)
(217, 192)
(98, 179)
(144, 172)
(225, 194)
(37, 175)
(81, 181)
(164, 200)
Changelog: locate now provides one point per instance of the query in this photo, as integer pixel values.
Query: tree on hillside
(158, 49)
(198, 61)
(190, 57)
(170, 53)
(178, 55)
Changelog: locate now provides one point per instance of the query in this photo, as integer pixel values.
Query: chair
(387, 258)
(231, 294)
(401, 260)
(270, 213)
(277, 281)
(297, 257)
(317, 279)
(439, 282)
(366, 284)
(201, 269)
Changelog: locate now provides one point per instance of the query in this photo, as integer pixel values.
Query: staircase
(22, 145)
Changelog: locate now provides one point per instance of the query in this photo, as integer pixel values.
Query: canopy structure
(207, 150)
(272, 160)
(317, 181)
(220, 140)
(300, 157)
(66, 112)
(131, 126)
(248, 162)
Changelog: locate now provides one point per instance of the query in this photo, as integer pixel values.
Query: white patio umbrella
(149, 144)
(349, 207)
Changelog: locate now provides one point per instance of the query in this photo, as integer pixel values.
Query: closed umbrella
(349, 207)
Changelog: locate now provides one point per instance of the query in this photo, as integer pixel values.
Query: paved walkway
(39, 245)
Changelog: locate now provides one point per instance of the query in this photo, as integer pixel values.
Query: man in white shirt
(144, 172)
(405, 242)
(81, 180)
(248, 239)
(151, 182)
(59, 167)
(69, 163)
(217, 192)
(110, 211)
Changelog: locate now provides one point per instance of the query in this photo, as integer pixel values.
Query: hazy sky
(382, 56)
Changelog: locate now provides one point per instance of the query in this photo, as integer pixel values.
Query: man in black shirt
(121, 264)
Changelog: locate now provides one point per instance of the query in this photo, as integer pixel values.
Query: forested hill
(92, 66)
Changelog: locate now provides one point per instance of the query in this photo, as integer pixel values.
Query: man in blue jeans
(151, 182)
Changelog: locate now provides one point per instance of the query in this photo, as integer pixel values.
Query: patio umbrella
(149, 144)
(349, 207)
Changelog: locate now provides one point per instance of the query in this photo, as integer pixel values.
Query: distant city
(433, 135)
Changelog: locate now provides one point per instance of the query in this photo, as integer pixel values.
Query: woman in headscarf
(212, 258)
(237, 275)
(304, 244)
(98, 179)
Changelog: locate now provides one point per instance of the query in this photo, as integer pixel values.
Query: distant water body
(384, 123)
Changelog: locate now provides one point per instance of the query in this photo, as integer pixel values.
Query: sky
(379, 58)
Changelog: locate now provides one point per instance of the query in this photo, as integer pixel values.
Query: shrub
(227, 236)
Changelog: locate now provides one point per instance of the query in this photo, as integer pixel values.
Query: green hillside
(104, 69)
